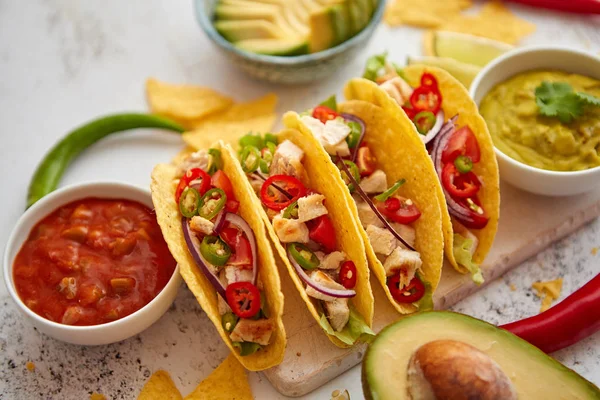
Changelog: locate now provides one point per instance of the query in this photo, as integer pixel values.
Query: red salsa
(93, 261)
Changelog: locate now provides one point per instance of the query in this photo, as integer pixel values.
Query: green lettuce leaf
(426, 302)
(330, 102)
(355, 329)
(463, 256)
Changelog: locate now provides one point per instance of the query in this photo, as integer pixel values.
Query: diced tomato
(459, 185)
(232, 206)
(241, 253)
(221, 181)
(400, 210)
(463, 142)
(321, 230)
(365, 161)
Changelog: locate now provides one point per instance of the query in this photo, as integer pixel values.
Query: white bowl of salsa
(88, 264)
(546, 58)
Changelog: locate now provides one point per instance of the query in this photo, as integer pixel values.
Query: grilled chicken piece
(325, 280)
(257, 331)
(366, 214)
(398, 89)
(403, 262)
(287, 160)
(406, 231)
(233, 273)
(290, 230)
(374, 183)
(201, 225)
(198, 159)
(331, 260)
(332, 134)
(381, 239)
(311, 207)
(337, 312)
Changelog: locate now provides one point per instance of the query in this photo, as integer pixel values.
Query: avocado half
(533, 374)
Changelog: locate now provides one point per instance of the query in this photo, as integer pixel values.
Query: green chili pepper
(229, 320)
(49, 171)
(211, 203)
(291, 211)
(303, 256)
(250, 159)
(264, 307)
(247, 348)
(388, 193)
(189, 202)
(354, 136)
(251, 139)
(424, 121)
(355, 173)
(330, 102)
(270, 138)
(463, 164)
(215, 162)
(214, 250)
(267, 157)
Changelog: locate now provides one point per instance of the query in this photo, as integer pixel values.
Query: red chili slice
(365, 161)
(400, 210)
(428, 79)
(411, 293)
(190, 176)
(348, 274)
(426, 98)
(324, 113)
(478, 216)
(274, 199)
(243, 298)
(459, 185)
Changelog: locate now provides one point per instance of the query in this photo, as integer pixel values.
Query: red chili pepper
(276, 200)
(321, 230)
(365, 161)
(428, 79)
(348, 274)
(400, 210)
(571, 320)
(190, 176)
(426, 98)
(243, 298)
(324, 113)
(410, 112)
(411, 293)
(459, 185)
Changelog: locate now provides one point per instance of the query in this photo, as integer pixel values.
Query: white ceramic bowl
(531, 179)
(95, 334)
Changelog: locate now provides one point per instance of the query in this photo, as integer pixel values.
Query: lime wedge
(463, 72)
(463, 47)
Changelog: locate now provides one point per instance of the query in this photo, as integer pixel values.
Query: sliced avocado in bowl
(441, 353)
(329, 27)
(274, 47)
(248, 29)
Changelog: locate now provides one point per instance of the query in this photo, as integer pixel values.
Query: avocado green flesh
(534, 374)
(292, 27)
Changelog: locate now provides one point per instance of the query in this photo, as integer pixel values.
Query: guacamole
(521, 132)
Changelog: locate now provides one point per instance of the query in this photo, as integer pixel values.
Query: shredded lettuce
(463, 256)
(375, 64)
(426, 302)
(330, 102)
(355, 329)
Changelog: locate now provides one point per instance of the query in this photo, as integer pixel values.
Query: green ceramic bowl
(292, 69)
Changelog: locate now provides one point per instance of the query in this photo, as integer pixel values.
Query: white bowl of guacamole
(539, 105)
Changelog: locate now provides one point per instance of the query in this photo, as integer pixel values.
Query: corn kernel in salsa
(93, 261)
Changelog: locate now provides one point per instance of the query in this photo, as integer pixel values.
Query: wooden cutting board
(528, 224)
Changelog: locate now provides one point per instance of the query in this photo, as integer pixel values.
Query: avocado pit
(448, 369)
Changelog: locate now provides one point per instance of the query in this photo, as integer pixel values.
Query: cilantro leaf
(588, 99)
(374, 65)
(557, 99)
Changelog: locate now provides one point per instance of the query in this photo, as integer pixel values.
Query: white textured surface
(64, 62)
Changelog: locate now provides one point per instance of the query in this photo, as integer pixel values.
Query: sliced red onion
(439, 121)
(206, 267)
(366, 198)
(439, 144)
(363, 129)
(242, 225)
(346, 293)
(220, 221)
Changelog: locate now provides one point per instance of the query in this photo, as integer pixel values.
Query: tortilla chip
(495, 21)
(184, 102)
(163, 192)
(433, 14)
(319, 172)
(160, 386)
(228, 382)
(254, 116)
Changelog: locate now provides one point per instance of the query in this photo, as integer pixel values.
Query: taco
(389, 179)
(448, 123)
(206, 212)
(308, 219)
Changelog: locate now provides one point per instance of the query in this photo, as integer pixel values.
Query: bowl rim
(206, 23)
(497, 63)
(38, 211)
